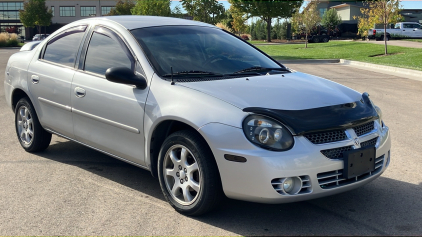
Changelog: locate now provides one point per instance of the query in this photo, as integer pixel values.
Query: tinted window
(104, 53)
(63, 49)
(192, 48)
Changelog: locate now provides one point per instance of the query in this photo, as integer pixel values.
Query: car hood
(290, 91)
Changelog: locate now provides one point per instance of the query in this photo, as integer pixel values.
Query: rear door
(106, 115)
(408, 30)
(50, 78)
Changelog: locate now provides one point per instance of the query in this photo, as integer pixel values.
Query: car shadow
(382, 207)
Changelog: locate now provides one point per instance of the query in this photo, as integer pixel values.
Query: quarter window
(105, 52)
(63, 48)
(67, 11)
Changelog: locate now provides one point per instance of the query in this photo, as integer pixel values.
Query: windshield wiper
(252, 69)
(193, 72)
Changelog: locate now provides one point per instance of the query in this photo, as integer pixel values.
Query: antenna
(172, 82)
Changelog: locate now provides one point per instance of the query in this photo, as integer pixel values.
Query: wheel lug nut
(186, 178)
(177, 174)
(180, 167)
(185, 170)
(181, 181)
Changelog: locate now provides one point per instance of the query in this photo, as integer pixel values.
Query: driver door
(106, 115)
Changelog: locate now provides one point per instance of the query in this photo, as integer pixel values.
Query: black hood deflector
(324, 118)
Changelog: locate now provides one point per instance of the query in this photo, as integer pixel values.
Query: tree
(379, 12)
(307, 20)
(208, 11)
(267, 10)
(238, 22)
(122, 7)
(331, 19)
(152, 8)
(35, 13)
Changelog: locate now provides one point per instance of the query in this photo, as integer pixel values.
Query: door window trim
(66, 32)
(104, 30)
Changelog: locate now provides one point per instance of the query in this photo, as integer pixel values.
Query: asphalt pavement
(73, 190)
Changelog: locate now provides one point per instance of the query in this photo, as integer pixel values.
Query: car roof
(135, 22)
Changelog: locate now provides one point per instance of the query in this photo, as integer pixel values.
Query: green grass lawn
(403, 57)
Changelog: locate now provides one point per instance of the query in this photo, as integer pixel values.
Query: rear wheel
(316, 39)
(31, 134)
(325, 39)
(188, 174)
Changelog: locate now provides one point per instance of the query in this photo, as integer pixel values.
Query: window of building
(88, 11)
(104, 53)
(67, 11)
(10, 10)
(322, 11)
(105, 10)
(63, 48)
(52, 10)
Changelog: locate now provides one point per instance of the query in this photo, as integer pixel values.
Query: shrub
(223, 26)
(12, 43)
(9, 40)
(244, 37)
(3, 39)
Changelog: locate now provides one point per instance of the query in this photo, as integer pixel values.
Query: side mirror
(124, 75)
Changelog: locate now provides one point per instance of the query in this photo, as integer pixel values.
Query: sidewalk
(402, 43)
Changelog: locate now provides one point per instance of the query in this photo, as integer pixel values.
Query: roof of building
(134, 22)
(344, 5)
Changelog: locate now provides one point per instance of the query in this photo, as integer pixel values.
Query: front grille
(371, 142)
(336, 153)
(364, 128)
(334, 179)
(326, 137)
(306, 185)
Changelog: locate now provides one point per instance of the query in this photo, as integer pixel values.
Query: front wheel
(188, 174)
(31, 134)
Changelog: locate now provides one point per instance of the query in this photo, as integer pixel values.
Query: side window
(64, 48)
(105, 52)
(407, 25)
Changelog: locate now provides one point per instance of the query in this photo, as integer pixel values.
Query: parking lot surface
(73, 190)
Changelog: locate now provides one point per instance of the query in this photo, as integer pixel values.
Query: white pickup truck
(401, 30)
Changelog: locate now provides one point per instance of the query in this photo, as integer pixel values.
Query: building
(348, 10)
(64, 12)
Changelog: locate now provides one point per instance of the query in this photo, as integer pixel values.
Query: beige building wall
(344, 13)
(56, 4)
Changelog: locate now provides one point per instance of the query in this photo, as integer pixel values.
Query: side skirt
(107, 153)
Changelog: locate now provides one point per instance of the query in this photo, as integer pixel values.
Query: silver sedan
(207, 113)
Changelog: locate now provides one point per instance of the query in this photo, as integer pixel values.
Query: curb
(405, 71)
(309, 61)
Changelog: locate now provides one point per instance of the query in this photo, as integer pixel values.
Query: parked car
(202, 110)
(401, 30)
(38, 37)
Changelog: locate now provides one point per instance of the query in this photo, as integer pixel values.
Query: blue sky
(406, 4)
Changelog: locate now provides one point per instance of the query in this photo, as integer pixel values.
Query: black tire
(325, 39)
(316, 39)
(210, 193)
(40, 138)
(382, 38)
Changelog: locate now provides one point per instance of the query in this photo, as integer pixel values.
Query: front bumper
(252, 180)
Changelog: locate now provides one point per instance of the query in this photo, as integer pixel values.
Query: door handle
(35, 79)
(80, 92)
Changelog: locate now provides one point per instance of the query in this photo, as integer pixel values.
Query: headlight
(381, 123)
(267, 133)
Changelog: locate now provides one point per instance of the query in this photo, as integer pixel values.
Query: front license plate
(358, 162)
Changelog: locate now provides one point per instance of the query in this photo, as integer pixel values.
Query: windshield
(201, 51)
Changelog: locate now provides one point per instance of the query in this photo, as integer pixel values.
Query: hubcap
(25, 125)
(181, 174)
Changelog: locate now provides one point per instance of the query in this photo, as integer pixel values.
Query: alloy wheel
(182, 174)
(25, 126)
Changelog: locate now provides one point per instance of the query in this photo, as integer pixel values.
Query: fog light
(288, 185)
